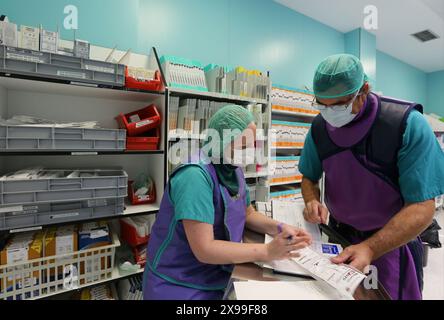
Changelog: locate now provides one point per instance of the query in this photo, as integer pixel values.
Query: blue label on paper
(331, 249)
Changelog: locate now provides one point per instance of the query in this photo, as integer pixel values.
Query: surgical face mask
(340, 115)
(242, 158)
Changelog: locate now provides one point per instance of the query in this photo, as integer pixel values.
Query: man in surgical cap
(383, 169)
(197, 236)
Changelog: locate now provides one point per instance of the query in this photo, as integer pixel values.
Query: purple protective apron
(358, 197)
(172, 271)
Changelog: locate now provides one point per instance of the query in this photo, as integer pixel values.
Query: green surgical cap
(339, 76)
(231, 117)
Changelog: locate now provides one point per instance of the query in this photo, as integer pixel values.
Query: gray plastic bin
(33, 138)
(104, 184)
(60, 67)
(47, 214)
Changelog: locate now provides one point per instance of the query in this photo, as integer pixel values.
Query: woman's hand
(285, 244)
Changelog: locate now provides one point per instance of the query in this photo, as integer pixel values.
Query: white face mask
(339, 116)
(242, 158)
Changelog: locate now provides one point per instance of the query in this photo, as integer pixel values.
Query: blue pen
(280, 230)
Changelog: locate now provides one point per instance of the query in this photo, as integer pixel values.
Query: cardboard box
(8, 34)
(93, 235)
(60, 241)
(30, 38)
(49, 41)
(22, 248)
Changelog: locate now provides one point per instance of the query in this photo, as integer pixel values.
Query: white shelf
(287, 148)
(143, 208)
(295, 114)
(284, 183)
(216, 95)
(115, 275)
(256, 175)
(42, 86)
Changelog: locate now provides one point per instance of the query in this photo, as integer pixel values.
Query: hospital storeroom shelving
(62, 102)
(190, 109)
(291, 119)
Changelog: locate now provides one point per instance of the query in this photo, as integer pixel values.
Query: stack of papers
(314, 261)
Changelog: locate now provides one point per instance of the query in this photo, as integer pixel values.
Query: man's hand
(359, 256)
(315, 212)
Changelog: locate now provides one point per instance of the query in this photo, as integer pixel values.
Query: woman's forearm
(260, 223)
(225, 252)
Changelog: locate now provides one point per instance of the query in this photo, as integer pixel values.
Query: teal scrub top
(185, 185)
(420, 162)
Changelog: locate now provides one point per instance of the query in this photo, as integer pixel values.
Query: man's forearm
(310, 190)
(410, 222)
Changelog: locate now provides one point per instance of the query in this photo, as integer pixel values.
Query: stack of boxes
(286, 134)
(294, 101)
(285, 170)
(59, 243)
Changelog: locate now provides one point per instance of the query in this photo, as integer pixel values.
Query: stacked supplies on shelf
(38, 259)
(143, 128)
(8, 32)
(184, 73)
(285, 170)
(136, 233)
(190, 117)
(103, 292)
(37, 196)
(293, 101)
(26, 133)
(289, 134)
(286, 193)
(237, 81)
(131, 288)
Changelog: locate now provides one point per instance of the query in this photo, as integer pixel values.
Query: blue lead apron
(172, 271)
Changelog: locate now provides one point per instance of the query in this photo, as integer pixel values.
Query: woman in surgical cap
(197, 237)
(383, 169)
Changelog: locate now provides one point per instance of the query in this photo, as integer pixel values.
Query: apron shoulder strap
(324, 145)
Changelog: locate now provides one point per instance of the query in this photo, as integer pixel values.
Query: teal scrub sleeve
(309, 164)
(192, 195)
(248, 198)
(420, 162)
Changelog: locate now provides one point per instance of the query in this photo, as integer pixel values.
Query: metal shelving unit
(219, 97)
(61, 100)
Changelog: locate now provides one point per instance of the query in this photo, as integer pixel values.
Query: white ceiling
(398, 19)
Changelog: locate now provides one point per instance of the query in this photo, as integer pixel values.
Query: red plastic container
(129, 235)
(135, 200)
(151, 85)
(139, 254)
(147, 118)
(148, 142)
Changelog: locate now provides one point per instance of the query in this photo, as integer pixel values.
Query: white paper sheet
(341, 277)
(283, 290)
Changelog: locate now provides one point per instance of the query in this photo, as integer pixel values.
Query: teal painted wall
(399, 80)
(254, 33)
(362, 44)
(435, 92)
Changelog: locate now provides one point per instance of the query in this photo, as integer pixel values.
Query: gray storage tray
(60, 67)
(48, 214)
(33, 138)
(108, 184)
